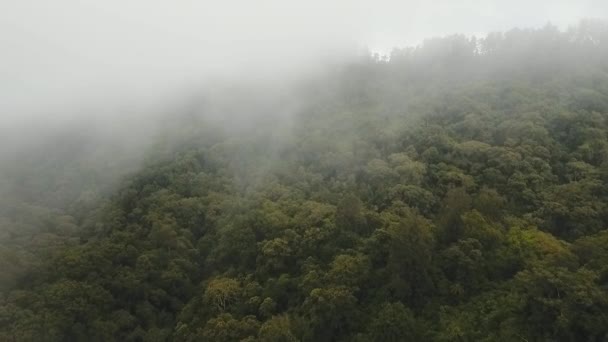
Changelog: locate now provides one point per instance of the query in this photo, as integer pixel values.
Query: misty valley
(452, 191)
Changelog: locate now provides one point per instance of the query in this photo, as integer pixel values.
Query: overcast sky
(64, 52)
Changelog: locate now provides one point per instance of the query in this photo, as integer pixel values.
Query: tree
(332, 312)
(222, 292)
(277, 329)
(394, 323)
(455, 203)
(410, 259)
(350, 215)
(225, 328)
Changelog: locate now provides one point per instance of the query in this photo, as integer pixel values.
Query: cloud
(63, 53)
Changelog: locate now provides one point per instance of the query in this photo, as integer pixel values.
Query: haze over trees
(456, 191)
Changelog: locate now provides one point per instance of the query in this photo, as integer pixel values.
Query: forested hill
(456, 191)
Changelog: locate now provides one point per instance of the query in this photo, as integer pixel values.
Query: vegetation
(454, 192)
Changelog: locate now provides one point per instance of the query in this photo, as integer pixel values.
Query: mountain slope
(455, 192)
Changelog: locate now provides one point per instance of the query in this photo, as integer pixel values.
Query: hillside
(456, 191)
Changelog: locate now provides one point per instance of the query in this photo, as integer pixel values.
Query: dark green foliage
(456, 192)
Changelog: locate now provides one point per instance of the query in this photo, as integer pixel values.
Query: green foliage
(456, 192)
(394, 323)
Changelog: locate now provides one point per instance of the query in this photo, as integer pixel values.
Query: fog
(273, 170)
(59, 55)
(114, 70)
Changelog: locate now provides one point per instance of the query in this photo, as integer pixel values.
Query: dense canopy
(456, 191)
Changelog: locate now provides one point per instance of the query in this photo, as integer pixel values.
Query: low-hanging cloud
(73, 55)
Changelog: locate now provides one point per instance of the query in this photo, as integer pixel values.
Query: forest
(452, 191)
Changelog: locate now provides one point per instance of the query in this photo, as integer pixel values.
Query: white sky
(61, 52)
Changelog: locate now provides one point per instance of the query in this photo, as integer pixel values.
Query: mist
(101, 84)
(60, 55)
(111, 79)
(303, 171)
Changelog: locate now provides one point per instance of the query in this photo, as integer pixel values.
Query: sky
(67, 53)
